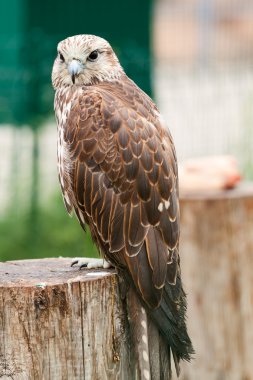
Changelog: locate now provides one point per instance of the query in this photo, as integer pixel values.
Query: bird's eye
(61, 57)
(93, 56)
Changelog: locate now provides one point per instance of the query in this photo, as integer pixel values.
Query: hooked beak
(74, 68)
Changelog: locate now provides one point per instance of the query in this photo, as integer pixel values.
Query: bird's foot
(87, 262)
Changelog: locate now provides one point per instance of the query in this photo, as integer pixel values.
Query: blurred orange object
(209, 173)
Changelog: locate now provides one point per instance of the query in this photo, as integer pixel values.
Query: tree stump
(216, 249)
(58, 322)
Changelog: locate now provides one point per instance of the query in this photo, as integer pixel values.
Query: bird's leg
(91, 263)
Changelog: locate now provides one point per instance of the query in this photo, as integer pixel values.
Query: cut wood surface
(58, 322)
(216, 249)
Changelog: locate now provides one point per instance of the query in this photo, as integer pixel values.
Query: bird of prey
(118, 173)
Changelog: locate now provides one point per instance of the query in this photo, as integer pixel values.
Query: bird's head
(83, 60)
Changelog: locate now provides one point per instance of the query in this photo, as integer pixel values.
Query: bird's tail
(160, 337)
(170, 318)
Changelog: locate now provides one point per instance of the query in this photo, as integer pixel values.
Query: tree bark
(216, 249)
(57, 322)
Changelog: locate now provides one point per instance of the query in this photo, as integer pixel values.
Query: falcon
(118, 172)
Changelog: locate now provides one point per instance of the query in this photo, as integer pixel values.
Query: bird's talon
(83, 266)
(74, 263)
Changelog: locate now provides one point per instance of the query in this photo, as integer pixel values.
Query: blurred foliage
(54, 234)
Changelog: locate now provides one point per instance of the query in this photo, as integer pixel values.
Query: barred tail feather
(139, 333)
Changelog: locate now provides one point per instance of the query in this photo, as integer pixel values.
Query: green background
(29, 33)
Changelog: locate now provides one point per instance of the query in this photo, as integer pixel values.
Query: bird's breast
(63, 105)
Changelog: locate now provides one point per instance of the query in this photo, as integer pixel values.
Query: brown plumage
(118, 172)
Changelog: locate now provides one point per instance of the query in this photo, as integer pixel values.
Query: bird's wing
(125, 180)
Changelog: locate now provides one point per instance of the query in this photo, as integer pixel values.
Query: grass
(51, 234)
